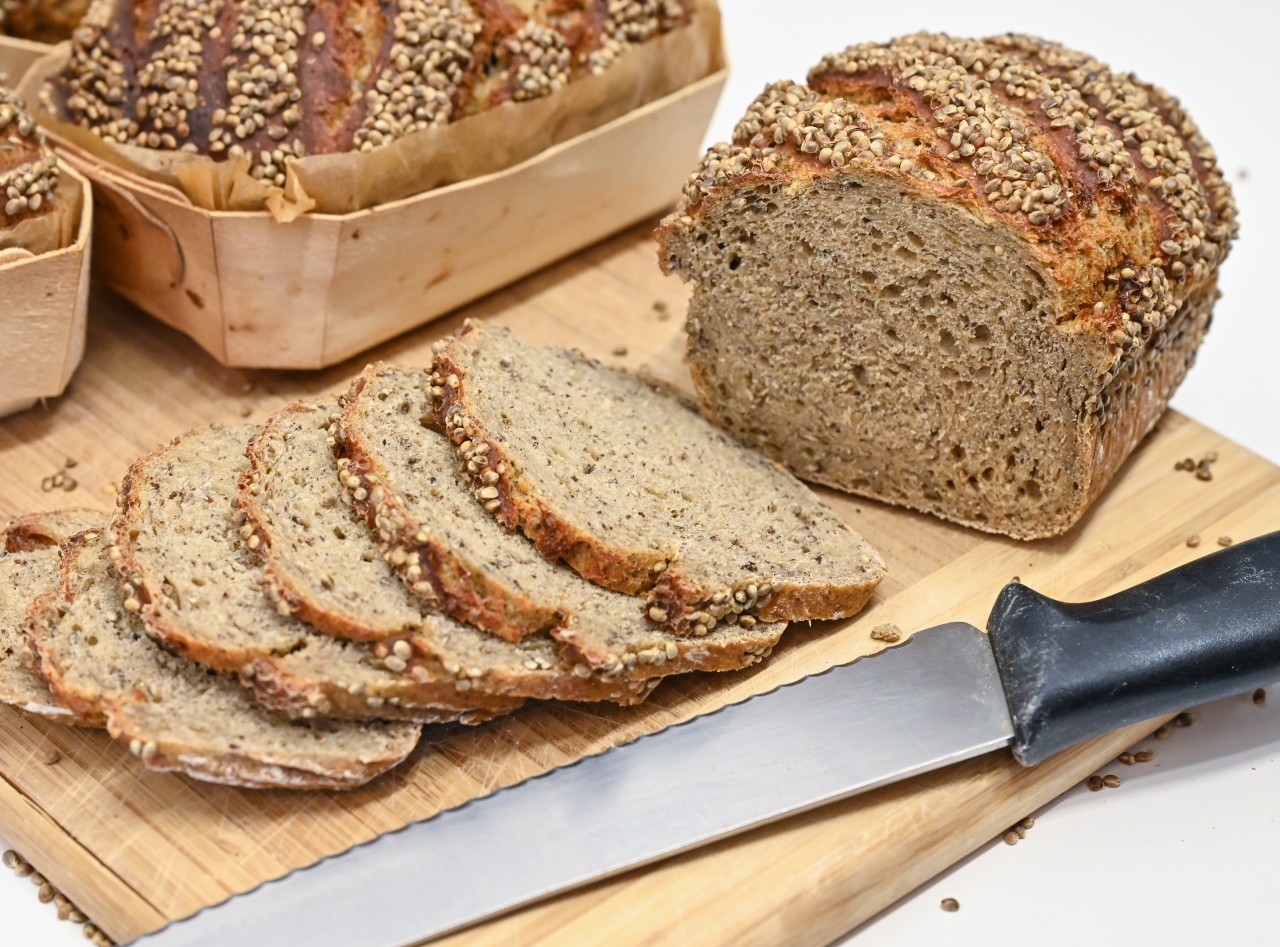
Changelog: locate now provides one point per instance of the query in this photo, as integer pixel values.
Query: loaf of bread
(962, 276)
(275, 81)
(28, 183)
(46, 21)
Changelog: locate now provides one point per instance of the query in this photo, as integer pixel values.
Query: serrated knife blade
(1048, 675)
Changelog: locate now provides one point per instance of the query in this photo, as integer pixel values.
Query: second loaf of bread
(962, 276)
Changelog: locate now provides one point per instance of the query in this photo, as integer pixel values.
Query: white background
(1184, 852)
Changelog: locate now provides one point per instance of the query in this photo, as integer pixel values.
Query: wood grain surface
(135, 849)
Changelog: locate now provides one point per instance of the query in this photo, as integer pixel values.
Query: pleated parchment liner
(361, 247)
(44, 294)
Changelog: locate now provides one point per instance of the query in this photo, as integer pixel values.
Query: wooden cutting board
(136, 849)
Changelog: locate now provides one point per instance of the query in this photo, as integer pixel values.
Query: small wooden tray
(17, 56)
(42, 317)
(255, 293)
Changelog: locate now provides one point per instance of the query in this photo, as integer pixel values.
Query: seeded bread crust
(321, 559)
(28, 168)
(514, 476)
(977, 268)
(402, 477)
(177, 716)
(205, 596)
(274, 80)
(45, 21)
(29, 569)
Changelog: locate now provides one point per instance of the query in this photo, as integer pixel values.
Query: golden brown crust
(1091, 172)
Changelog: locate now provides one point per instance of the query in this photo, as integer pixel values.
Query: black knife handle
(1206, 630)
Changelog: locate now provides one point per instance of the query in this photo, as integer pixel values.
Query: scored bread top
(28, 168)
(640, 493)
(274, 80)
(321, 559)
(1105, 177)
(176, 715)
(187, 571)
(403, 476)
(29, 569)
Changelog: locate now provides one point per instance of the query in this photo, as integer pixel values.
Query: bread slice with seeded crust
(29, 569)
(402, 476)
(640, 493)
(178, 716)
(320, 558)
(187, 571)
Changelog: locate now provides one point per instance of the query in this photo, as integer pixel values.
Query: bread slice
(29, 569)
(189, 574)
(322, 561)
(176, 715)
(638, 492)
(403, 477)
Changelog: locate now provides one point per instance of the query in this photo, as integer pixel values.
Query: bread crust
(42, 531)
(1108, 185)
(673, 601)
(343, 76)
(402, 697)
(115, 713)
(441, 576)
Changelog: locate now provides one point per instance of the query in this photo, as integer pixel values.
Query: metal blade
(934, 700)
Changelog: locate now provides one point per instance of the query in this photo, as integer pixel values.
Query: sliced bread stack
(285, 606)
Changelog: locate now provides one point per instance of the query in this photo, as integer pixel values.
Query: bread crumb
(950, 905)
(887, 632)
(620, 351)
(1193, 541)
(662, 309)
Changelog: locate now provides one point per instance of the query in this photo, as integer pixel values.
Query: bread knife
(1046, 676)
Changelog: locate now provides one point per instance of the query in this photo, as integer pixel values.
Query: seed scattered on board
(950, 905)
(1193, 541)
(1018, 832)
(46, 892)
(1225, 540)
(1202, 468)
(888, 633)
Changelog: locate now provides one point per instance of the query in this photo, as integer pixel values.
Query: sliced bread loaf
(190, 575)
(322, 561)
(638, 492)
(29, 569)
(176, 715)
(402, 476)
